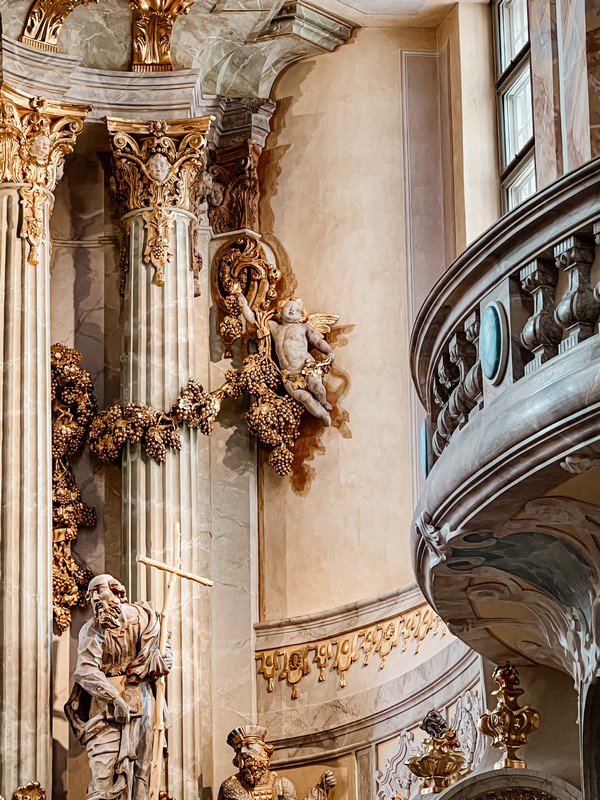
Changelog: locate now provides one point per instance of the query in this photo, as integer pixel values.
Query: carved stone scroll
(541, 334)
(234, 202)
(158, 169)
(44, 21)
(152, 30)
(578, 310)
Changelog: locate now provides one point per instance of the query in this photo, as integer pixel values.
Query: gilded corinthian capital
(35, 136)
(158, 167)
(152, 29)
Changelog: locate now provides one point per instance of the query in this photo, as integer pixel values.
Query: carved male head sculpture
(252, 753)
(106, 596)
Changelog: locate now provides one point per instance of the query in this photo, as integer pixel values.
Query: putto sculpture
(294, 333)
(254, 780)
(112, 704)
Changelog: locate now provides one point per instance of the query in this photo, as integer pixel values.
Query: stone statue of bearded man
(254, 780)
(111, 707)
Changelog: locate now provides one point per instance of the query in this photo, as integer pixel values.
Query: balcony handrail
(570, 204)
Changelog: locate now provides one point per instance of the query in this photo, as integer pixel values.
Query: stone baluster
(447, 378)
(597, 241)
(462, 353)
(158, 167)
(541, 333)
(35, 136)
(578, 310)
(473, 382)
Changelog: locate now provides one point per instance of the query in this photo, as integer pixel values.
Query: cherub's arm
(247, 312)
(318, 341)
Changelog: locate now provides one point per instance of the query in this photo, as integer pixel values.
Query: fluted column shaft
(35, 135)
(158, 359)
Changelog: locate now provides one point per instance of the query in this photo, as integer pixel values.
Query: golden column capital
(158, 167)
(152, 29)
(35, 136)
(45, 20)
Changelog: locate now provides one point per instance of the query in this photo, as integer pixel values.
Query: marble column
(35, 136)
(158, 167)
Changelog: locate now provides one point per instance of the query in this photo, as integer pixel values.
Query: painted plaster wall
(333, 211)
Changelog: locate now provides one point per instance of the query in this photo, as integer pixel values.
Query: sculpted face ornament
(40, 147)
(106, 596)
(158, 167)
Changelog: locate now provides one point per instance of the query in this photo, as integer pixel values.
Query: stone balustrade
(520, 296)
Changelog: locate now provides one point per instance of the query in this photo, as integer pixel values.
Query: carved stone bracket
(152, 29)
(158, 169)
(578, 310)
(339, 653)
(241, 265)
(233, 199)
(44, 21)
(306, 22)
(541, 334)
(35, 137)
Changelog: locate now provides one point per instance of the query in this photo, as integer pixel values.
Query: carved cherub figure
(254, 778)
(293, 336)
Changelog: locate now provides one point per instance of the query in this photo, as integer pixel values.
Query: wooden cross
(159, 725)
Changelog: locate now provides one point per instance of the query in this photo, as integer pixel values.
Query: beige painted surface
(335, 203)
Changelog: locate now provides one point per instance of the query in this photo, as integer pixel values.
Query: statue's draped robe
(125, 662)
(274, 788)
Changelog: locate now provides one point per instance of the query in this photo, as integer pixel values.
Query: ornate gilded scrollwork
(158, 168)
(35, 137)
(234, 195)
(31, 791)
(509, 724)
(73, 407)
(241, 265)
(152, 30)
(44, 21)
(293, 662)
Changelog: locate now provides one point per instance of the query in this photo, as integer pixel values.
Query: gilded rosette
(509, 724)
(158, 168)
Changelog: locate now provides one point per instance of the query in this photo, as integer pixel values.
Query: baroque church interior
(299, 429)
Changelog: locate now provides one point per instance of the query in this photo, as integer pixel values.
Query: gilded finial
(443, 763)
(509, 724)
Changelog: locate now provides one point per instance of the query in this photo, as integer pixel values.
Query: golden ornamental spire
(35, 136)
(158, 169)
(509, 724)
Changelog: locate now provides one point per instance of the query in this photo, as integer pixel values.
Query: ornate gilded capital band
(35, 136)
(158, 169)
(44, 21)
(152, 30)
(293, 662)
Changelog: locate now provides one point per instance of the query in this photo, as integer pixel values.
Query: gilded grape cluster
(275, 419)
(197, 408)
(73, 409)
(258, 374)
(69, 582)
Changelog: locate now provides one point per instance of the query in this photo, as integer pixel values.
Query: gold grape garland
(73, 408)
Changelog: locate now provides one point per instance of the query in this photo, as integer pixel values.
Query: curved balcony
(505, 358)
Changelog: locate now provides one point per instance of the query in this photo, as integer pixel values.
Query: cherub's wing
(323, 323)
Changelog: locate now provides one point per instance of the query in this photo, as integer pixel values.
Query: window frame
(510, 169)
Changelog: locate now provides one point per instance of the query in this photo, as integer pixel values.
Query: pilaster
(35, 136)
